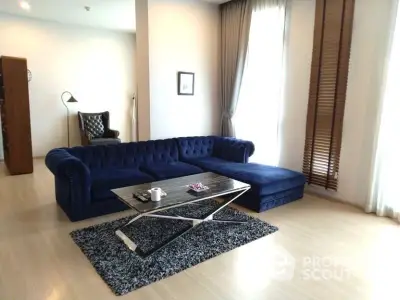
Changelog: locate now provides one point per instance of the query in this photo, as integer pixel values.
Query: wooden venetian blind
(328, 85)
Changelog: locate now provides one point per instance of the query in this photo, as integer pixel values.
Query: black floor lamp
(70, 99)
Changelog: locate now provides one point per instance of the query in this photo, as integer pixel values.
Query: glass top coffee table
(178, 194)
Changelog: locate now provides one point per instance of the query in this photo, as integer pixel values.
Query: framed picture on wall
(185, 83)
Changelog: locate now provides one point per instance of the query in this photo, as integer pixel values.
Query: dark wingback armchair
(95, 129)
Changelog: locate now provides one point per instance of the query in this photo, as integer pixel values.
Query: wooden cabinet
(15, 115)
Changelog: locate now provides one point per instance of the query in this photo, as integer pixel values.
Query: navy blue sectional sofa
(84, 176)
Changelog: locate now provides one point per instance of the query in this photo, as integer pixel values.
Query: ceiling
(107, 14)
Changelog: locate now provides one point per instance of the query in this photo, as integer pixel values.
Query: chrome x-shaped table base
(195, 222)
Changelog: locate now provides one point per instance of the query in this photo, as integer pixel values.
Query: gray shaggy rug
(125, 271)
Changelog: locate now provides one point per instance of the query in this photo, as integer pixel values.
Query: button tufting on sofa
(115, 166)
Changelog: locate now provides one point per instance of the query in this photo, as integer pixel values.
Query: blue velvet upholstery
(232, 149)
(270, 186)
(72, 180)
(84, 176)
(193, 147)
(104, 180)
(265, 180)
(127, 155)
(266, 202)
(163, 171)
(226, 148)
(211, 164)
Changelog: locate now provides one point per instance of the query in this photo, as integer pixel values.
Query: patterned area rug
(124, 271)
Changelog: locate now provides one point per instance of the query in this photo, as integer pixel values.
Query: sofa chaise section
(270, 186)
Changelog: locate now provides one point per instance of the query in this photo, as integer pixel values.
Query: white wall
(183, 36)
(368, 52)
(96, 66)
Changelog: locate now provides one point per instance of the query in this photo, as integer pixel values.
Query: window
(257, 114)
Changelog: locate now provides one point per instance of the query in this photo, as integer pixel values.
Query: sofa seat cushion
(171, 170)
(104, 180)
(264, 180)
(209, 164)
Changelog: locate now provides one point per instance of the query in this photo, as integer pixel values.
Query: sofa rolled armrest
(63, 164)
(72, 182)
(233, 149)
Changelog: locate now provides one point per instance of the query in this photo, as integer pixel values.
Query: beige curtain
(235, 28)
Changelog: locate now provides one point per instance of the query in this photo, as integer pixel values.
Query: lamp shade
(72, 100)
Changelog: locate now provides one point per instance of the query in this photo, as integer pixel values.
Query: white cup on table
(155, 194)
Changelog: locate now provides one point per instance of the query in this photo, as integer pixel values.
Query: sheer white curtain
(384, 196)
(257, 114)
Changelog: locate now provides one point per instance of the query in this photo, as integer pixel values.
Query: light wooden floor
(358, 254)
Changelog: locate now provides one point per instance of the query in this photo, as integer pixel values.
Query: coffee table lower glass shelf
(178, 194)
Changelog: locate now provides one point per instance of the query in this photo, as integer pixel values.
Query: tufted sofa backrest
(204, 146)
(132, 155)
(193, 147)
(223, 146)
